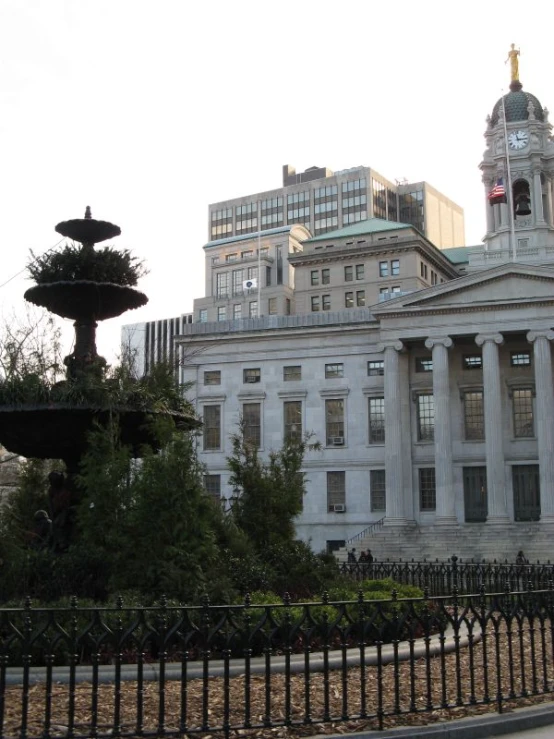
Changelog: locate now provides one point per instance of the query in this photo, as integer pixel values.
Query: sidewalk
(523, 723)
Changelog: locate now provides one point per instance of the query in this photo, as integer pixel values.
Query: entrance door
(527, 496)
(475, 494)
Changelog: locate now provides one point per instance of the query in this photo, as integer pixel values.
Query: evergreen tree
(268, 493)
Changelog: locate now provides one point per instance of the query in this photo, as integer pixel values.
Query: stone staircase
(477, 541)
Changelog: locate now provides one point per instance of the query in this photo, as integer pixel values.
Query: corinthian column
(444, 476)
(544, 417)
(395, 513)
(496, 482)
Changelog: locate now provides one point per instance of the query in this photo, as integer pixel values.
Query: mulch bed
(409, 694)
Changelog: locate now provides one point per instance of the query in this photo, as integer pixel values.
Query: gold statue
(514, 63)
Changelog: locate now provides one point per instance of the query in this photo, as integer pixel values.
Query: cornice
(449, 309)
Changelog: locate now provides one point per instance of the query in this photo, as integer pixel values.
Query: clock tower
(518, 174)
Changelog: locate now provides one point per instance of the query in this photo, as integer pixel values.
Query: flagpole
(509, 183)
(259, 258)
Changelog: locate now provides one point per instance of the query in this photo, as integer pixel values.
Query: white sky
(149, 110)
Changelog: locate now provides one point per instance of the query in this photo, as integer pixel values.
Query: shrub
(83, 263)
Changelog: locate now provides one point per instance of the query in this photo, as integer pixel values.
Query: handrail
(368, 530)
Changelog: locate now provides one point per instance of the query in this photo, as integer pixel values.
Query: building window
(237, 278)
(423, 270)
(424, 364)
(203, 315)
(237, 311)
(272, 306)
(395, 267)
(212, 377)
(325, 276)
(474, 415)
(427, 489)
(293, 372)
(315, 303)
(314, 277)
(222, 285)
(375, 367)
(348, 274)
(376, 409)
(520, 359)
(395, 289)
(336, 492)
(334, 422)
(222, 313)
(383, 269)
(360, 298)
(253, 309)
(425, 417)
(522, 405)
(292, 410)
(231, 257)
(472, 361)
(252, 428)
(348, 300)
(334, 370)
(377, 490)
(212, 486)
(360, 271)
(252, 375)
(326, 302)
(287, 306)
(212, 427)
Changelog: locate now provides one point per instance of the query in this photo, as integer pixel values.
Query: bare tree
(30, 345)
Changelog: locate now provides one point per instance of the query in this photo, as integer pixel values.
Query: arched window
(521, 198)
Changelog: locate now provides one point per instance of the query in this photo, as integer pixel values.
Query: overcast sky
(150, 110)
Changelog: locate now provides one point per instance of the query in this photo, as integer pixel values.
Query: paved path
(524, 723)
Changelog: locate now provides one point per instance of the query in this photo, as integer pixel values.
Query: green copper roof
(370, 226)
(456, 254)
(515, 104)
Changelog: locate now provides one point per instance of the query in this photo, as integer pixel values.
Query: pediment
(501, 286)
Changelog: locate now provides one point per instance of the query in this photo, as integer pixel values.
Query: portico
(482, 372)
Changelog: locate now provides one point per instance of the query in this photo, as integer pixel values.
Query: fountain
(54, 422)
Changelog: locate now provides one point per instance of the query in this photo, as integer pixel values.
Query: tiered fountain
(53, 427)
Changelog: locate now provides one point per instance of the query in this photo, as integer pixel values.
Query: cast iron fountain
(57, 428)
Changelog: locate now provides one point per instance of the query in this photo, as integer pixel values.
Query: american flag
(498, 192)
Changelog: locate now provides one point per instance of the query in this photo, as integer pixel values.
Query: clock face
(518, 139)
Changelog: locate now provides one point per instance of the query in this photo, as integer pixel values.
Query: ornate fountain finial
(88, 214)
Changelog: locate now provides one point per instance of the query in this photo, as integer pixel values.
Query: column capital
(497, 338)
(392, 344)
(544, 333)
(436, 340)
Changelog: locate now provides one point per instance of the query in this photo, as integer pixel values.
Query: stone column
(489, 208)
(548, 205)
(537, 196)
(496, 481)
(444, 475)
(395, 513)
(544, 418)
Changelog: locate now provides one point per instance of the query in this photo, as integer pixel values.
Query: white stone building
(426, 374)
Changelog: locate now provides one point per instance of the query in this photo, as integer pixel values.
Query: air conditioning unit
(338, 508)
(337, 440)
(252, 379)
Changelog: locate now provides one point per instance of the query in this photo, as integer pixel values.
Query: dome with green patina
(516, 103)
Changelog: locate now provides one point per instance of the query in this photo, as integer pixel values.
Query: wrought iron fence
(468, 577)
(122, 672)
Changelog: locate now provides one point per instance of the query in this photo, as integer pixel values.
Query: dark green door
(527, 495)
(475, 493)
